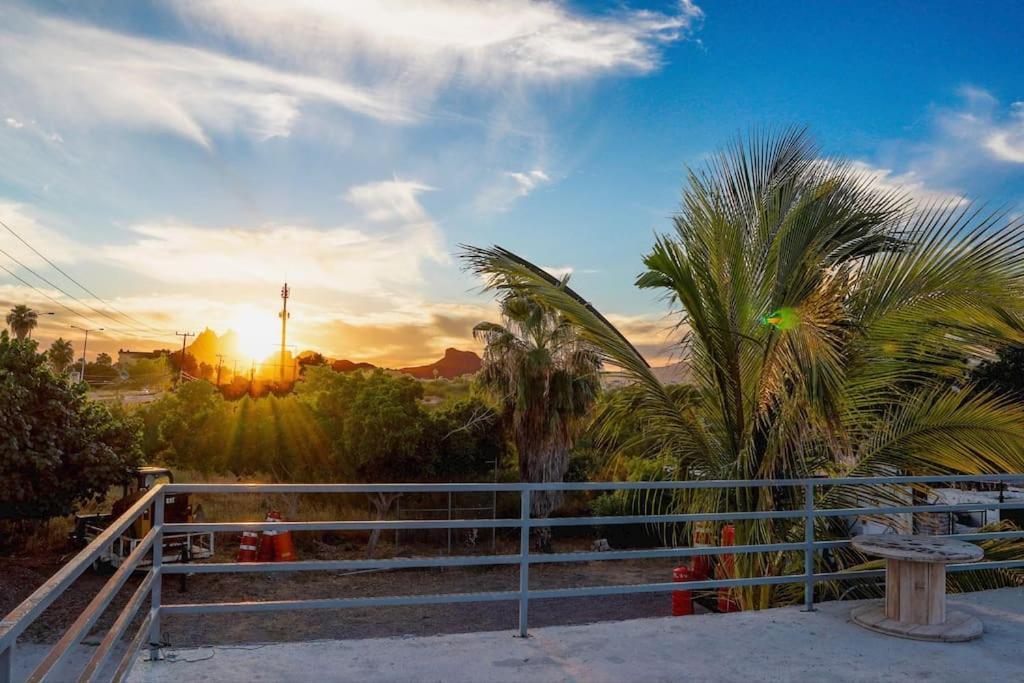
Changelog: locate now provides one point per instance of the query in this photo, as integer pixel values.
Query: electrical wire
(59, 303)
(73, 297)
(79, 284)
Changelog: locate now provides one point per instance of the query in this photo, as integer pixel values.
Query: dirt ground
(23, 575)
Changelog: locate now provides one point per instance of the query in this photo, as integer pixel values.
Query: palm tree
(826, 322)
(61, 354)
(545, 379)
(22, 320)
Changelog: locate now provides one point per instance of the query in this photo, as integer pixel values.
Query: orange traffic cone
(284, 549)
(266, 550)
(247, 547)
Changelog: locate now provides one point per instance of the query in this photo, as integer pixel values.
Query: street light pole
(85, 346)
(43, 313)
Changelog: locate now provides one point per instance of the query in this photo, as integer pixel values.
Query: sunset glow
(257, 332)
(201, 153)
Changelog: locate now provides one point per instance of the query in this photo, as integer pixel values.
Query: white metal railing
(15, 623)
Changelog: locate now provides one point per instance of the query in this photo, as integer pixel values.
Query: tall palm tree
(546, 380)
(61, 354)
(827, 323)
(22, 320)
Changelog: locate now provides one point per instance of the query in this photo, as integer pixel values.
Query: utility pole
(285, 292)
(181, 361)
(220, 362)
(85, 346)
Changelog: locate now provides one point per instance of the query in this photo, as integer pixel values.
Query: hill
(454, 364)
(676, 373)
(207, 345)
(349, 366)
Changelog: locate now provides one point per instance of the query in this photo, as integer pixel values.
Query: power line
(59, 303)
(71, 296)
(80, 285)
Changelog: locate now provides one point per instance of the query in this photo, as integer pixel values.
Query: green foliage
(149, 372)
(381, 428)
(442, 392)
(466, 440)
(886, 303)
(22, 320)
(1005, 374)
(61, 355)
(335, 427)
(57, 448)
(545, 380)
(100, 374)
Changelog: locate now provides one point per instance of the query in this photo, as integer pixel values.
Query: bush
(618, 504)
(57, 448)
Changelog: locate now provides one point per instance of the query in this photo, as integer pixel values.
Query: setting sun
(257, 332)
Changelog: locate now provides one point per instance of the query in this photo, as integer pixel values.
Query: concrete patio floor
(775, 645)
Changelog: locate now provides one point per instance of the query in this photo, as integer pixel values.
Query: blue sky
(183, 158)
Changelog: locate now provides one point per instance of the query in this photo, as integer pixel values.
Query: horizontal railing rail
(18, 620)
(150, 588)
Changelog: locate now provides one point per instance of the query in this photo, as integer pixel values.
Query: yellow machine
(177, 509)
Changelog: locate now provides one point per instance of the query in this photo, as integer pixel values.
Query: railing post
(808, 547)
(524, 560)
(7, 664)
(158, 579)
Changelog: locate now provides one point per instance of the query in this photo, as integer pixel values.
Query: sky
(178, 161)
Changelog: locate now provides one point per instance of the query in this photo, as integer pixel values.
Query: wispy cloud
(264, 64)
(390, 200)
(87, 76)
(430, 43)
(527, 182)
(983, 125)
(654, 336)
(999, 131)
(502, 191)
(559, 271)
(27, 223)
(908, 182)
(971, 146)
(381, 253)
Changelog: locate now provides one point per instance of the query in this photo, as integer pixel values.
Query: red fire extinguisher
(682, 601)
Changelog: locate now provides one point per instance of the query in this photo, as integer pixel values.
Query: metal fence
(15, 623)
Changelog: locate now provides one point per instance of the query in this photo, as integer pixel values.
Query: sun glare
(255, 330)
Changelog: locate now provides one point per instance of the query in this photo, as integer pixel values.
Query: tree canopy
(61, 354)
(828, 323)
(57, 448)
(545, 379)
(22, 320)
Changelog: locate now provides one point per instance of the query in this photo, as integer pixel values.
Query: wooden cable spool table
(915, 588)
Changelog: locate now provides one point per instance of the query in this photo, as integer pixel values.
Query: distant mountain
(454, 364)
(349, 366)
(205, 347)
(676, 373)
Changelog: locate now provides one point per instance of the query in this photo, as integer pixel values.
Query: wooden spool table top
(928, 549)
(915, 588)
